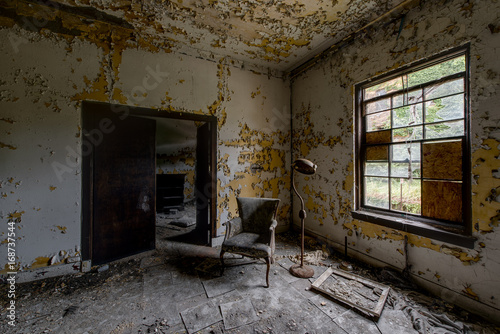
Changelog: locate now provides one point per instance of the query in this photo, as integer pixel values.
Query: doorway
(119, 206)
(182, 173)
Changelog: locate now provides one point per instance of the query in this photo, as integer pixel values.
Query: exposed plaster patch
(468, 291)
(464, 257)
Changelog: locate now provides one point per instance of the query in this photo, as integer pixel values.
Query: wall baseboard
(45, 272)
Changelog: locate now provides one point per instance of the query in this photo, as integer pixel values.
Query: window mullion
(399, 147)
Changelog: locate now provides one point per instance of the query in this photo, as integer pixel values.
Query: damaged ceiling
(277, 34)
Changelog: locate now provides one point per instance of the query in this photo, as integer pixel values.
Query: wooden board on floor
(356, 291)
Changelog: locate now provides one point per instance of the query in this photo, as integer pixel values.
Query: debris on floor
(167, 291)
(311, 258)
(184, 221)
(363, 294)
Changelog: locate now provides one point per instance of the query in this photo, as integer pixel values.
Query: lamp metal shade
(304, 166)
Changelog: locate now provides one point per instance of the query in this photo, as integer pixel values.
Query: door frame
(87, 162)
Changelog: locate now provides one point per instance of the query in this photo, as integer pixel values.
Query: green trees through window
(413, 133)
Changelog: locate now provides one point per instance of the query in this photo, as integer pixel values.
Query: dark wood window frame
(440, 230)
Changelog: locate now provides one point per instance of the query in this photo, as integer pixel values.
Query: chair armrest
(233, 227)
(273, 225)
(272, 242)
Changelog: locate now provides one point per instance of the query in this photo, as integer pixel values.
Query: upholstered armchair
(252, 233)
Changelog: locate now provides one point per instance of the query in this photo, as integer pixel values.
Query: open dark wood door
(123, 185)
(203, 184)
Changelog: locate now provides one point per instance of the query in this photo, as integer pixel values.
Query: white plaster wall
(42, 85)
(323, 108)
(255, 132)
(40, 122)
(190, 83)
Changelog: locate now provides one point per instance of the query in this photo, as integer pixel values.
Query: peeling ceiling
(277, 34)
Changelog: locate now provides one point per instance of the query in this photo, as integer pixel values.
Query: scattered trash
(312, 258)
(184, 221)
(103, 268)
(159, 326)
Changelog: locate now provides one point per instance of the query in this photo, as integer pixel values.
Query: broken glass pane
(406, 195)
(412, 97)
(407, 134)
(404, 169)
(379, 105)
(376, 169)
(377, 192)
(444, 109)
(435, 72)
(378, 121)
(443, 130)
(408, 115)
(384, 88)
(406, 152)
(397, 101)
(444, 89)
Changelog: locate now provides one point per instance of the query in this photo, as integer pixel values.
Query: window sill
(453, 236)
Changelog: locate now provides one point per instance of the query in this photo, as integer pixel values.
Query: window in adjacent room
(413, 144)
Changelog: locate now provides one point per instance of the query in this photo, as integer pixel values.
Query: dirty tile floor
(178, 290)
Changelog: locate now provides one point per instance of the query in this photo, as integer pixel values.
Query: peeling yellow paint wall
(322, 113)
(254, 143)
(49, 70)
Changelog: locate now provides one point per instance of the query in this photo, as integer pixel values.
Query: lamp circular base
(301, 271)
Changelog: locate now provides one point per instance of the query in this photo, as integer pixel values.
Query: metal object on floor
(302, 166)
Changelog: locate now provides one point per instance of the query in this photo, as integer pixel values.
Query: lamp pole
(305, 167)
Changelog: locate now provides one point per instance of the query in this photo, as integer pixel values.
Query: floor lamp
(302, 166)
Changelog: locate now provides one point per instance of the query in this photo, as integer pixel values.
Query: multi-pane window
(413, 139)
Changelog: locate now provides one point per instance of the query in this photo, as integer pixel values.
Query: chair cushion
(247, 244)
(257, 214)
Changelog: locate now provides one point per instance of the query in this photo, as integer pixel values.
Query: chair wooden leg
(268, 262)
(222, 262)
